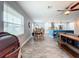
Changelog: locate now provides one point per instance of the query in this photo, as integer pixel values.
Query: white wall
(77, 26)
(66, 25)
(69, 26)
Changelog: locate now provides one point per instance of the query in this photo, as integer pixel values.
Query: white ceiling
(39, 9)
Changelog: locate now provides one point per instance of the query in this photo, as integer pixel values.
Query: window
(13, 21)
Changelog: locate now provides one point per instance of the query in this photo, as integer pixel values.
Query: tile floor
(47, 48)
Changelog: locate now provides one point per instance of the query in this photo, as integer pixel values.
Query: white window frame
(8, 11)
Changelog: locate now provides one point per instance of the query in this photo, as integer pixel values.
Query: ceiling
(39, 10)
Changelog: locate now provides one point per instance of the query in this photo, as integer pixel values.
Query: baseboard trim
(20, 54)
(26, 41)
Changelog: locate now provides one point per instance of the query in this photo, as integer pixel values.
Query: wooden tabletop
(73, 37)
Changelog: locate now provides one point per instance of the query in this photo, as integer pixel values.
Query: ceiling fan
(70, 8)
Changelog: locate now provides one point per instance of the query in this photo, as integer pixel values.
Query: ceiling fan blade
(60, 10)
(72, 7)
(69, 5)
(74, 10)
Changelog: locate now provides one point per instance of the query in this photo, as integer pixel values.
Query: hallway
(47, 21)
(47, 48)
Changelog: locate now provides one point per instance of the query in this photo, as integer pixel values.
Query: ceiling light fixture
(67, 12)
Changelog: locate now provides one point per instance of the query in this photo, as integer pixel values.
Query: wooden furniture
(70, 43)
(39, 34)
(9, 45)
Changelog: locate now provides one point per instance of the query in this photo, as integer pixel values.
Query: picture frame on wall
(29, 24)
